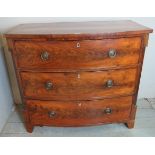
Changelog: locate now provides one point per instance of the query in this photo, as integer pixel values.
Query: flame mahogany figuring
(78, 84)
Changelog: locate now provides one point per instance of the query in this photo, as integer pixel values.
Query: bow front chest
(78, 74)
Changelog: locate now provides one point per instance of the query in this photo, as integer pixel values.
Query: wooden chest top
(78, 30)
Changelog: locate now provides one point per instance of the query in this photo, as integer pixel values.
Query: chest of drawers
(78, 74)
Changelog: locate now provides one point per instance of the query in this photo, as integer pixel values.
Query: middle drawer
(78, 86)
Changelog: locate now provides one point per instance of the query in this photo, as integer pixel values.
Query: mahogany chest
(78, 74)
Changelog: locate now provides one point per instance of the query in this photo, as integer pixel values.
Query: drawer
(79, 113)
(86, 54)
(78, 86)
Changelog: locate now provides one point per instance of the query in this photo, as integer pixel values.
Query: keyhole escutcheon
(78, 45)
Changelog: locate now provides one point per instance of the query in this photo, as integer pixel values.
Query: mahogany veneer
(65, 54)
(78, 74)
(78, 86)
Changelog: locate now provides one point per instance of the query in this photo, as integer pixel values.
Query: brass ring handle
(44, 55)
(51, 114)
(112, 53)
(110, 83)
(108, 111)
(48, 85)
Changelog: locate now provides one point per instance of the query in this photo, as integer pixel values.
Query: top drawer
(87, 54)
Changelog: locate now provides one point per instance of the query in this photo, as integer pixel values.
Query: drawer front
(78, 86)
(79, 113)
(86, 54)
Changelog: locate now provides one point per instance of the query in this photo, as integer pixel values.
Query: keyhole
(79, 104)
(78, 45)
(78, 76)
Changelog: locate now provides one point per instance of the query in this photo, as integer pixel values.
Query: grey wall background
(147, 84)
(6, 100)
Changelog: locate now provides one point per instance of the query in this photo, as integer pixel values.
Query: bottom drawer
(79, 113)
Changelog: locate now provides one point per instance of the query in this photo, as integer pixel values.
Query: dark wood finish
(79, 76)
(66, 54)
(78, 86)
(79, 113)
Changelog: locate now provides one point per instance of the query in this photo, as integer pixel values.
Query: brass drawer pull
(48, 85)
(51, 114)
(110, 83)
(44, 55)
(112, 53)
(108, 111)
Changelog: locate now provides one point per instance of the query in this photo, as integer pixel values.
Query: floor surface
(144, 126)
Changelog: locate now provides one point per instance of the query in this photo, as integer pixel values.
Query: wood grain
(78, 86)
(79, 95)
(77, 30)
(78, 113)
(66, 55)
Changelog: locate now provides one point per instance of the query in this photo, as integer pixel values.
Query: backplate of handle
(109, 83)
(51, 114)
(112, 53)
(108, 111)
(48, 85)
(44, 55)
